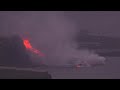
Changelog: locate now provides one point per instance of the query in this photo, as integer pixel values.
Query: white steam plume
(51, 32)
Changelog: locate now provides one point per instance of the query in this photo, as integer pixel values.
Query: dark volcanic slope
(13, 52)
(22, 73)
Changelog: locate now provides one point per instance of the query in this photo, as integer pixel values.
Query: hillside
(13, 52)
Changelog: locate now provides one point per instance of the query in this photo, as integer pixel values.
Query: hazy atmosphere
(54, 33)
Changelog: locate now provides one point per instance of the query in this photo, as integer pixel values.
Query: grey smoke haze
(51, 32)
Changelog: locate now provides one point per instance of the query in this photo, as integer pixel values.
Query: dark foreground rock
(22, 73)
(13, 53)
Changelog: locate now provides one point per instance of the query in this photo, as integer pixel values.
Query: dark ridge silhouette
(22, 73)
(103, 45)
(15, 60)
(13, 52)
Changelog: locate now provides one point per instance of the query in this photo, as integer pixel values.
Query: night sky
(103, 22)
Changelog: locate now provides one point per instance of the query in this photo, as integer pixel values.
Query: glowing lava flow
(29, 47)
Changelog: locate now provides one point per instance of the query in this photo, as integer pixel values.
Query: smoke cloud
(51, 32)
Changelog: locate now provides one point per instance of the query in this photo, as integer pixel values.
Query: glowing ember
(27, 44)
(78, 66)
(29, 47)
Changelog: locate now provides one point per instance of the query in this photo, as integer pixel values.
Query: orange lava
(29, 47)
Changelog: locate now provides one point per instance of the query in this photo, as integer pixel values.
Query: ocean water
(111, 70)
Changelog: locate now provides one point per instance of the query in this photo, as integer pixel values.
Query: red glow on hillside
(27, 44)
(29, 47)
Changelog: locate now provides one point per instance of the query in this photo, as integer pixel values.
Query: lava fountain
(29, 47)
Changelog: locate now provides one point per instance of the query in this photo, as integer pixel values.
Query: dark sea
(111, 70)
